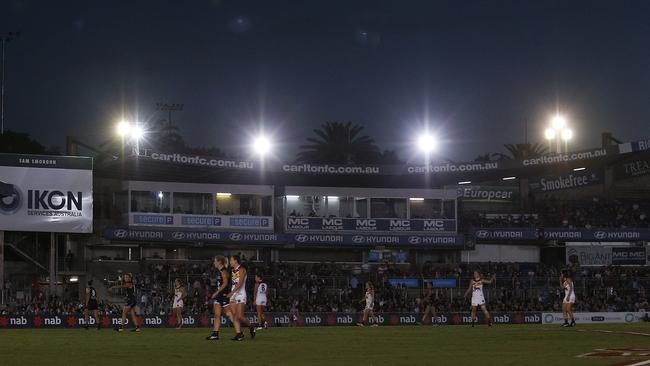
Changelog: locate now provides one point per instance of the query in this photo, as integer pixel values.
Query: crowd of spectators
(327, 287)
(587, 214)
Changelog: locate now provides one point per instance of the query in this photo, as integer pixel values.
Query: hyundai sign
(46, 193)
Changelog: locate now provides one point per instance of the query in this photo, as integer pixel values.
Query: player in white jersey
(369, 310)
(260, 300)
(177, 306)
(566, 282)
(478, 299)
(238, 299)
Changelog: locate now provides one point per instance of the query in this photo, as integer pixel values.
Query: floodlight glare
(549, 134)
(123, 128)
(137, 132)
(261, 145)
(558, 122)
(426, 143)
(567, 134)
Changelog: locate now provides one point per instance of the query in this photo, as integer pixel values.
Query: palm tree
(339, 143)
(524, 151)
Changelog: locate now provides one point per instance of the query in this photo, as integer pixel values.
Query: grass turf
(390, 345)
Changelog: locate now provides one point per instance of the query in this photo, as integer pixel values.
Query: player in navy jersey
(131, 302)
(219, 299)
(91, 305)
(430, 311)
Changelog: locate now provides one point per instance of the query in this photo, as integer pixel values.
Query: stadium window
(426, 209)
(449, 209)
(192, 203)
(244, 204)
(388, 208)
(360, 208)
(121, 201)
(150, 201)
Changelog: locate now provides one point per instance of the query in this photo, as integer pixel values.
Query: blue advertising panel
(527, 234)
(134, 234)
(568, 181)
(364, 224)
(408, 282)
(441, 282)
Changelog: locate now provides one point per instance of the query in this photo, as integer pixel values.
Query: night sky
(475, 70)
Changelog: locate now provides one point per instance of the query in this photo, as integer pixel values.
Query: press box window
(193, 203)
(150, 202)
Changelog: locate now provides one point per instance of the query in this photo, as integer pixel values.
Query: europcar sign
(46, 193)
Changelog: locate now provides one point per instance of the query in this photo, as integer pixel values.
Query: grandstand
(319, 232)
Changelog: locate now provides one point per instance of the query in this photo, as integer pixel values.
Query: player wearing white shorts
(260, 299)
(478, 299)
(177, 306)
(238, 299)
(368, 311)
(566, 282)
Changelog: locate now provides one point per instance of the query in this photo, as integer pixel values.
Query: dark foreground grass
(449, 345)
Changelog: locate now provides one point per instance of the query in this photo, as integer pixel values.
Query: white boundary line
(646, 362)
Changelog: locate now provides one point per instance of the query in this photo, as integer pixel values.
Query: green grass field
(390, 345)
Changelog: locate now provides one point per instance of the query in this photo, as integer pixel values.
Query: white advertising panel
(46, 193)
(586, 318)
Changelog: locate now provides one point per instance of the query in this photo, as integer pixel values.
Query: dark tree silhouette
(339, 143)
(525, 151)
(22, 143)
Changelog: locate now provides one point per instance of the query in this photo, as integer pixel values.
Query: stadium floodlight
(137, 132)
(333, 198)
(261, 145)
(549, 134)
(567, 134)
(160, 195)
(579, 169)
(223, 194)
(465, 182)
(426, 143)
(417, 199)
(292, 197)
(558, 122)
(508, 178)
(123, 128)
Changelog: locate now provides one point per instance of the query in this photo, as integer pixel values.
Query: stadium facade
(160, 206)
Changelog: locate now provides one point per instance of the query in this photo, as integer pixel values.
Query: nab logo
(358, 239)
(120, 233)
(415, 240)
(178, 235)
(10, 198)
(482, 234)
(235, 236)
(600, 235)
(301, 238)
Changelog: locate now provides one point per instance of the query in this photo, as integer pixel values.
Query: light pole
(4, 38)
(173, 107)
(558, 132)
